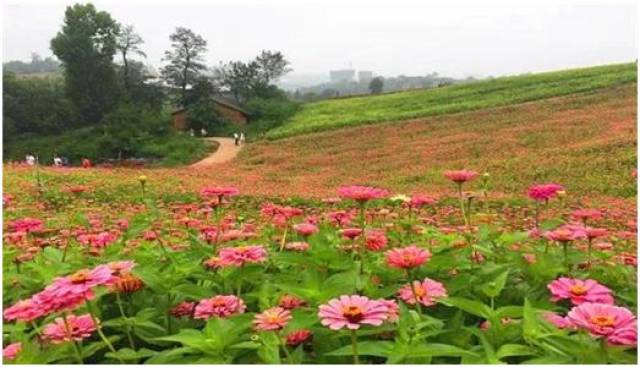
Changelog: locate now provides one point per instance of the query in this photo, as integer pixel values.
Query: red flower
(460, 176)
(362, 193)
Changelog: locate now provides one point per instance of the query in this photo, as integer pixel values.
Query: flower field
(110, 266)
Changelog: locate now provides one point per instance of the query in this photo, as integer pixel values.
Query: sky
(454, 38)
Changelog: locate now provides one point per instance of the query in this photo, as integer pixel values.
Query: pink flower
(427, 292)
(362, 193)
(290, 302)
(274, 318)
(26, 310)
(375, 239)
(593, 233)
(241, 255)
(393, 310)
(305, 229)
(351, 233)
(580, 291)
(218, 191)
(341, 217)
(626, 335)
(79, 328)
(297, 246)
(407, 257)
(351, 312)
(81, 281)
(182, 309)
(219, 306)
(10, 352)
(566, 233)
(460, 176)
(558, 321)
(26, 225)
(617, 324)
(418, 201)
(530, 258)
(298, 337)
(584, 214)
(544, 192)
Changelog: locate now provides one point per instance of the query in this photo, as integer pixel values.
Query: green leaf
(511, 350)
(438, 350)
(496, 285)
(127, 354)
(469, 306)
(367, 348)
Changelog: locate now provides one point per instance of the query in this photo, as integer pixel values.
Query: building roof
(219, 101)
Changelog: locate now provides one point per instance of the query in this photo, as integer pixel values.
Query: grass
(171, 149)
(348, 112)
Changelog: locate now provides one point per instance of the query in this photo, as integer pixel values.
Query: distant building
(341, 76)
(365, 76)
(226, 109)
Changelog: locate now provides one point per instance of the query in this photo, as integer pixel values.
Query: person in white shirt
(57, 161)
(236, 138)
(30, 159)
(241, 138)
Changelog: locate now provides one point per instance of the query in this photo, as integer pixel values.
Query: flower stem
(462, 206)
(127, 326)
(354, 345)
(99, 330)
(603, 350)
(76, 348)
(565, 250)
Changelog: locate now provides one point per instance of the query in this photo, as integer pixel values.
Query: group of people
(58, 161)
(238, 138)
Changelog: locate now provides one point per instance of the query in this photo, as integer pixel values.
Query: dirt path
(226, 151)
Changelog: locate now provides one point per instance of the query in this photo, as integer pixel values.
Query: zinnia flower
(407, 257)
(362, 193)
(580, 291)
(26, 225)
(10, 352)
(274, 318)
(558, 321)
(393, 310)
(297, 246)
(351, 233)
(26, 310)
(219, 306)
(241, 255)
(184, 308)
(427, 292)
(351, 312)
(585, 214)
(460, 176)
(566, 233)
(617, 324)
(305, 229)
(290, 302)
(544, 192)
(79, 328)
(418, 201)
(218, 191)
(375, 239)
(298, 337)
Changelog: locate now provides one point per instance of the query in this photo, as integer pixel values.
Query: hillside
(337, 113)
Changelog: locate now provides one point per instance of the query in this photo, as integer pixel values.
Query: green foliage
(86, 45)
(333, 114)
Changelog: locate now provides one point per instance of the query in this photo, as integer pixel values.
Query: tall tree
(128, 43)
(376, 84)
(271, 66)
(86, 46)
(186, 60)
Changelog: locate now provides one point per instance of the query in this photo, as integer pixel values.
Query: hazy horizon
(454, 38)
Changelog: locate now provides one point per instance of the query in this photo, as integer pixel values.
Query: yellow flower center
(603, 320)
(578, 290)
(352, 313)
(80, 276)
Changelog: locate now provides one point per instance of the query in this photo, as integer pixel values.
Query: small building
(226, 109)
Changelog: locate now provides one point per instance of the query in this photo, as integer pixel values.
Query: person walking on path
(236, 138)
(241, 138)
(86, 163)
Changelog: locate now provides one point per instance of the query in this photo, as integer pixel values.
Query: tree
(185, 60)
(128, 42)
(271, 66)
(376, 84)
(254, 78)
(86, 46)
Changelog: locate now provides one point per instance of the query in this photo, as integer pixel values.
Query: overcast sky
(454, 38)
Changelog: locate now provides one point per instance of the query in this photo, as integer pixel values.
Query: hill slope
(337, 113)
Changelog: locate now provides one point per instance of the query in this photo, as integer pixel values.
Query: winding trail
(227, 150)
